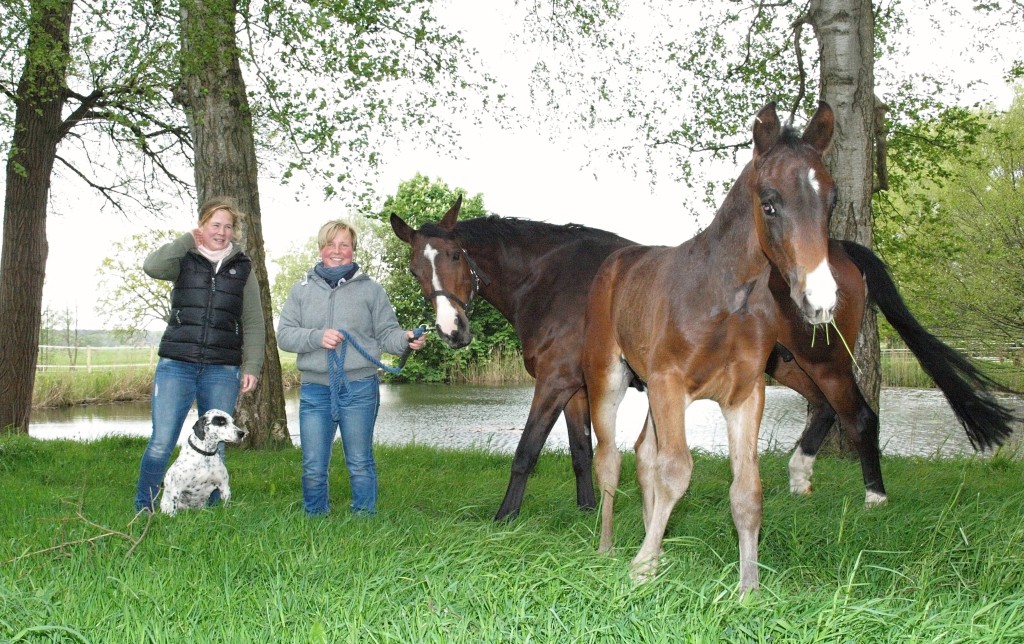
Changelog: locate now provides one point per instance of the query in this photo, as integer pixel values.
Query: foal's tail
(968, 390)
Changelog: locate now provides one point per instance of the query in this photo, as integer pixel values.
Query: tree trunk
(38, 129)
(214, 98)
(845, 34)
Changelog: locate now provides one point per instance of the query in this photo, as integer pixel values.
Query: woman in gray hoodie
(333, 307)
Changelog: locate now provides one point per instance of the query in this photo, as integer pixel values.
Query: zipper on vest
(209, 316)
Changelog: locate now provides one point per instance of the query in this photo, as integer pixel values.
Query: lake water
(914, 421)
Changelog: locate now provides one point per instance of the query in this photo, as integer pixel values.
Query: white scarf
(215, 256)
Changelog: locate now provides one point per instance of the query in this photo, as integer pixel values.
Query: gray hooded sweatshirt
(358, 306)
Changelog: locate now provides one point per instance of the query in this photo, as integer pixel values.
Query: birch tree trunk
(38, 128)
(845, 34)
(214, 98)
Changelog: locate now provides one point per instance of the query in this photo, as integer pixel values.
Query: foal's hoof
(874, 499)
(642, 571)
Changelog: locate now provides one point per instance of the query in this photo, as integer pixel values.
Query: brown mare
(537, 275)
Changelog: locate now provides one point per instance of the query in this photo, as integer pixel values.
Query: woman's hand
(332, 338)
(248, 382)
(415, 344)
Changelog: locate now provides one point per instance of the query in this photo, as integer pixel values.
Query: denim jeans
(176, 386)
(316, 433)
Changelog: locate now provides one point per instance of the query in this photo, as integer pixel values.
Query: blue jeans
(316, 433)
(176, 386)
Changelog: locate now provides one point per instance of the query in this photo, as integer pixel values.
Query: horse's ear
(818, 133)
(766, 130)
(448, 221)
(404, 231)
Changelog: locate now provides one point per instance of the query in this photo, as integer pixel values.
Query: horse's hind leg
(581, 448)
(607, 379)
(665, 466)
(645, 448)
(861, 424)
(858, 420)
(547, 404)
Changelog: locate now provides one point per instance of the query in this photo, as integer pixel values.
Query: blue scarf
(336, 274)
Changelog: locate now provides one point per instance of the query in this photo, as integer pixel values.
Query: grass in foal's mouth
(940, 561)
(832, 323)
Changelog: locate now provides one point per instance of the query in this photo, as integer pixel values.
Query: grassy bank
(941, 562)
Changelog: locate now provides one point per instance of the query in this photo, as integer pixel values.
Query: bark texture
(38, 129)
(214, 98)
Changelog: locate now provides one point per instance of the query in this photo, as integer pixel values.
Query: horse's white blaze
(447, 316)
(820, 289)
(801, 466)
(812, 179)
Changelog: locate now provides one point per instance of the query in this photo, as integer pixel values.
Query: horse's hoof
(642, 571)
(746, 589)
(874, 499)
(801, 488)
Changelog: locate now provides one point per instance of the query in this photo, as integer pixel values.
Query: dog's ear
(200, 428)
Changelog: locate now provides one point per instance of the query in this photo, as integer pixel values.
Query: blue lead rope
(336, 368)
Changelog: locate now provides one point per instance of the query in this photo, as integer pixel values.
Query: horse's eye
(456, 255)
(768, 209)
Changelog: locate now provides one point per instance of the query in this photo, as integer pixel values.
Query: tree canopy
(956, 243)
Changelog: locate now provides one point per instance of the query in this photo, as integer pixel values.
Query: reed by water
(64, 387)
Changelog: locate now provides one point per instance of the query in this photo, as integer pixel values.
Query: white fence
(63, 358)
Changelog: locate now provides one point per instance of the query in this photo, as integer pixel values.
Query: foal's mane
(493, 229)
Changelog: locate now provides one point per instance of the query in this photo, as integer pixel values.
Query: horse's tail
(968, 390)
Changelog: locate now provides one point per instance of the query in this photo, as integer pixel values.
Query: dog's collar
(201, 451)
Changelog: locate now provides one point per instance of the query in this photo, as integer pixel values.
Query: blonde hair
(213, 204)
(331, 229)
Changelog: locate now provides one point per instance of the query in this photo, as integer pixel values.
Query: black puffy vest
(206, 311)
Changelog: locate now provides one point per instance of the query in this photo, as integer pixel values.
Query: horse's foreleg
(743, 421)
(581, 448)
(666, 464)
(544, 410)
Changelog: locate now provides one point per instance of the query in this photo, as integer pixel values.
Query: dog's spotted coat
(199, 470)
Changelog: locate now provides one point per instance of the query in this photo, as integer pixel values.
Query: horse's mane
(494, 229)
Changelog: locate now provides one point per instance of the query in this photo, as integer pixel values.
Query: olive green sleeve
(254, 331)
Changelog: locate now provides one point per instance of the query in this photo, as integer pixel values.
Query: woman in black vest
(213, 345)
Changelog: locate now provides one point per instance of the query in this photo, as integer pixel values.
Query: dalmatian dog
(199, 470)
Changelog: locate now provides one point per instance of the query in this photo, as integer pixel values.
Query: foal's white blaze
(812, 179)
(820, 291)
(446, 314)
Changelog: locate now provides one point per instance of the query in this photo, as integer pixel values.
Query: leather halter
(479, 277)
(201, 451)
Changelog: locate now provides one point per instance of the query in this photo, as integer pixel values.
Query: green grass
(940, 562)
